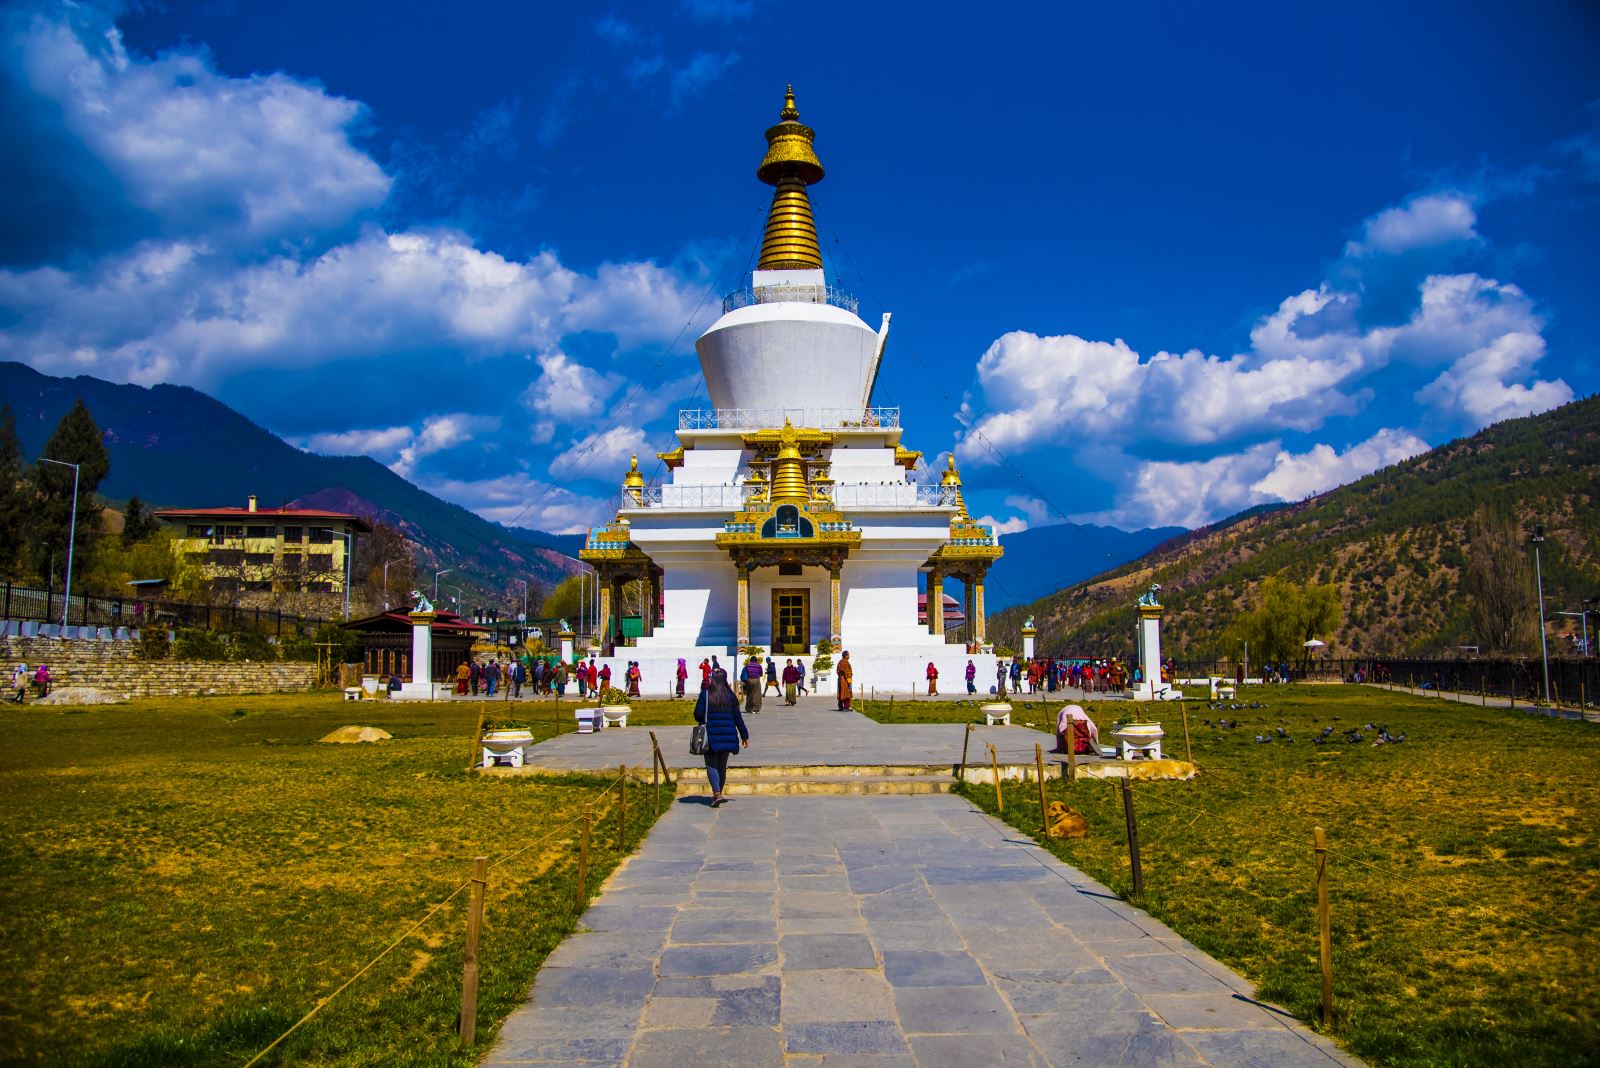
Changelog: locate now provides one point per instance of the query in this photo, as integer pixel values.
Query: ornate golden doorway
(791, 621)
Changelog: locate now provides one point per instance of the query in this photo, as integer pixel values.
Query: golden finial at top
(633, 479)
(791, 164)
(952, 477)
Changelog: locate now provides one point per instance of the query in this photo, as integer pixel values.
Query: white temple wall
(707, 466)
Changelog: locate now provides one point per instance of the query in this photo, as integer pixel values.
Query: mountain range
(175, 447)
(1395, 545)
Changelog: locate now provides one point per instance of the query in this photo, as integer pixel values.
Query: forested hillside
(1395, 545)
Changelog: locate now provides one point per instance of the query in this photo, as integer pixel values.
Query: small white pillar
(567, 637)
(1150, 687)
(421, 685)
(1028, 634)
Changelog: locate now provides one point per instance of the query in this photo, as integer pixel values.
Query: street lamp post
(436, 575)
(72, 536)
(1536, 540)
(349, 551)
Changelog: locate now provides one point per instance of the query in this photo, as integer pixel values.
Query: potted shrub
(614, 705)
(822, 665)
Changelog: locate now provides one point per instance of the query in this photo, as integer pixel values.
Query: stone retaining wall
(112, 666)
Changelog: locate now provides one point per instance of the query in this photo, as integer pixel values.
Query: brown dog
(1066, 822)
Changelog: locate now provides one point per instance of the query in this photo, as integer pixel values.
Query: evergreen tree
(1498, 584)
(138, 522)
(14, 495)
(77, 440)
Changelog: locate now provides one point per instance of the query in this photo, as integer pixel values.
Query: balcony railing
(859, 495)
(768, 418)
(707, 498)
(801, 294)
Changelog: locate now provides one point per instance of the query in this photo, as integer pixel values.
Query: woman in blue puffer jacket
(718, 709)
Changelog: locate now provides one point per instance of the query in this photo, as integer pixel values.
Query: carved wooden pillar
(744, 604)
(605, 615)
(833, 603)
(936, 602)
(981, 631)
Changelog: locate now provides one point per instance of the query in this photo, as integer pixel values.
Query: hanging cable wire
(587, 454)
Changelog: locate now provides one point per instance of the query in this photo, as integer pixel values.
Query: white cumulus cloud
(1422, 222)
(602, 454)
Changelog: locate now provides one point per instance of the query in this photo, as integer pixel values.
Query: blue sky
(1148, 264)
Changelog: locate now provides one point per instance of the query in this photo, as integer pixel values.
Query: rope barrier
(322, 1003)
(390, 948)
(1300, 843)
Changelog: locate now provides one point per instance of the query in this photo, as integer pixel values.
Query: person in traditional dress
(791, 679)
(705, 673)
(463, 673)
(595, 676)
(772, 678)
(634, 677)
(846, 675)
(933, 679)
(1085, 736)
(683, 674)
(972, 677)
(1000, 678)
(752, 685)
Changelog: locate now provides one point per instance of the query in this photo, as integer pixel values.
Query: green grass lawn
(184, 878)
(1465, 866)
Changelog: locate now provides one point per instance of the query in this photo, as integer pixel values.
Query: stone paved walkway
(879, 931)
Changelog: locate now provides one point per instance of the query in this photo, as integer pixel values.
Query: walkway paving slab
(938, 936)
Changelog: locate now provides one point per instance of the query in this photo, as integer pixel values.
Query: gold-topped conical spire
(788, 470)
(791, 164)
(952, 480)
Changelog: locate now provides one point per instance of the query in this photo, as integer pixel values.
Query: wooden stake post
(469, 967)
(583, 865)
(622, 807)
(1324, 934)
(966, 739)
(477, 742)
(1133, 839)
(994, 759)
(1044, 809)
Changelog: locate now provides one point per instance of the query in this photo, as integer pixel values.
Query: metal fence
(1571, 678)
(769, 418)
(791, 294)
(27, 603)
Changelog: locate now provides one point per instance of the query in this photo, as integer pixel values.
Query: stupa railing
(716, 497)
(792, 294)
(772, 418)
(859, 495)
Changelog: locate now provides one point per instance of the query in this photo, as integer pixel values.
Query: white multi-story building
(791, 512)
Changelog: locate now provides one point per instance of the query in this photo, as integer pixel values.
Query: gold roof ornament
(951, 479)
(791, 164)
(633, 479)
(789, 469)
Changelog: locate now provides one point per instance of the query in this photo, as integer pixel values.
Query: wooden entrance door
(791, 621)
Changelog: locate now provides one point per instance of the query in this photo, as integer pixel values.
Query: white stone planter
(509, 745)
(615, 715)
(1139, 739)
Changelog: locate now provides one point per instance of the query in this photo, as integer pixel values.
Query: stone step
(839, 785)
(697, 773)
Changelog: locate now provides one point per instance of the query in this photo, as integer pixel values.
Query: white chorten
(790, 513)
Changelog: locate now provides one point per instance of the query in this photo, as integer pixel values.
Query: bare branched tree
(1498, 583)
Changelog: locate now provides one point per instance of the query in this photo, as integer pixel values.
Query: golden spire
(633, 479)
(791, 164)
(788, 470)
(952, 480)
